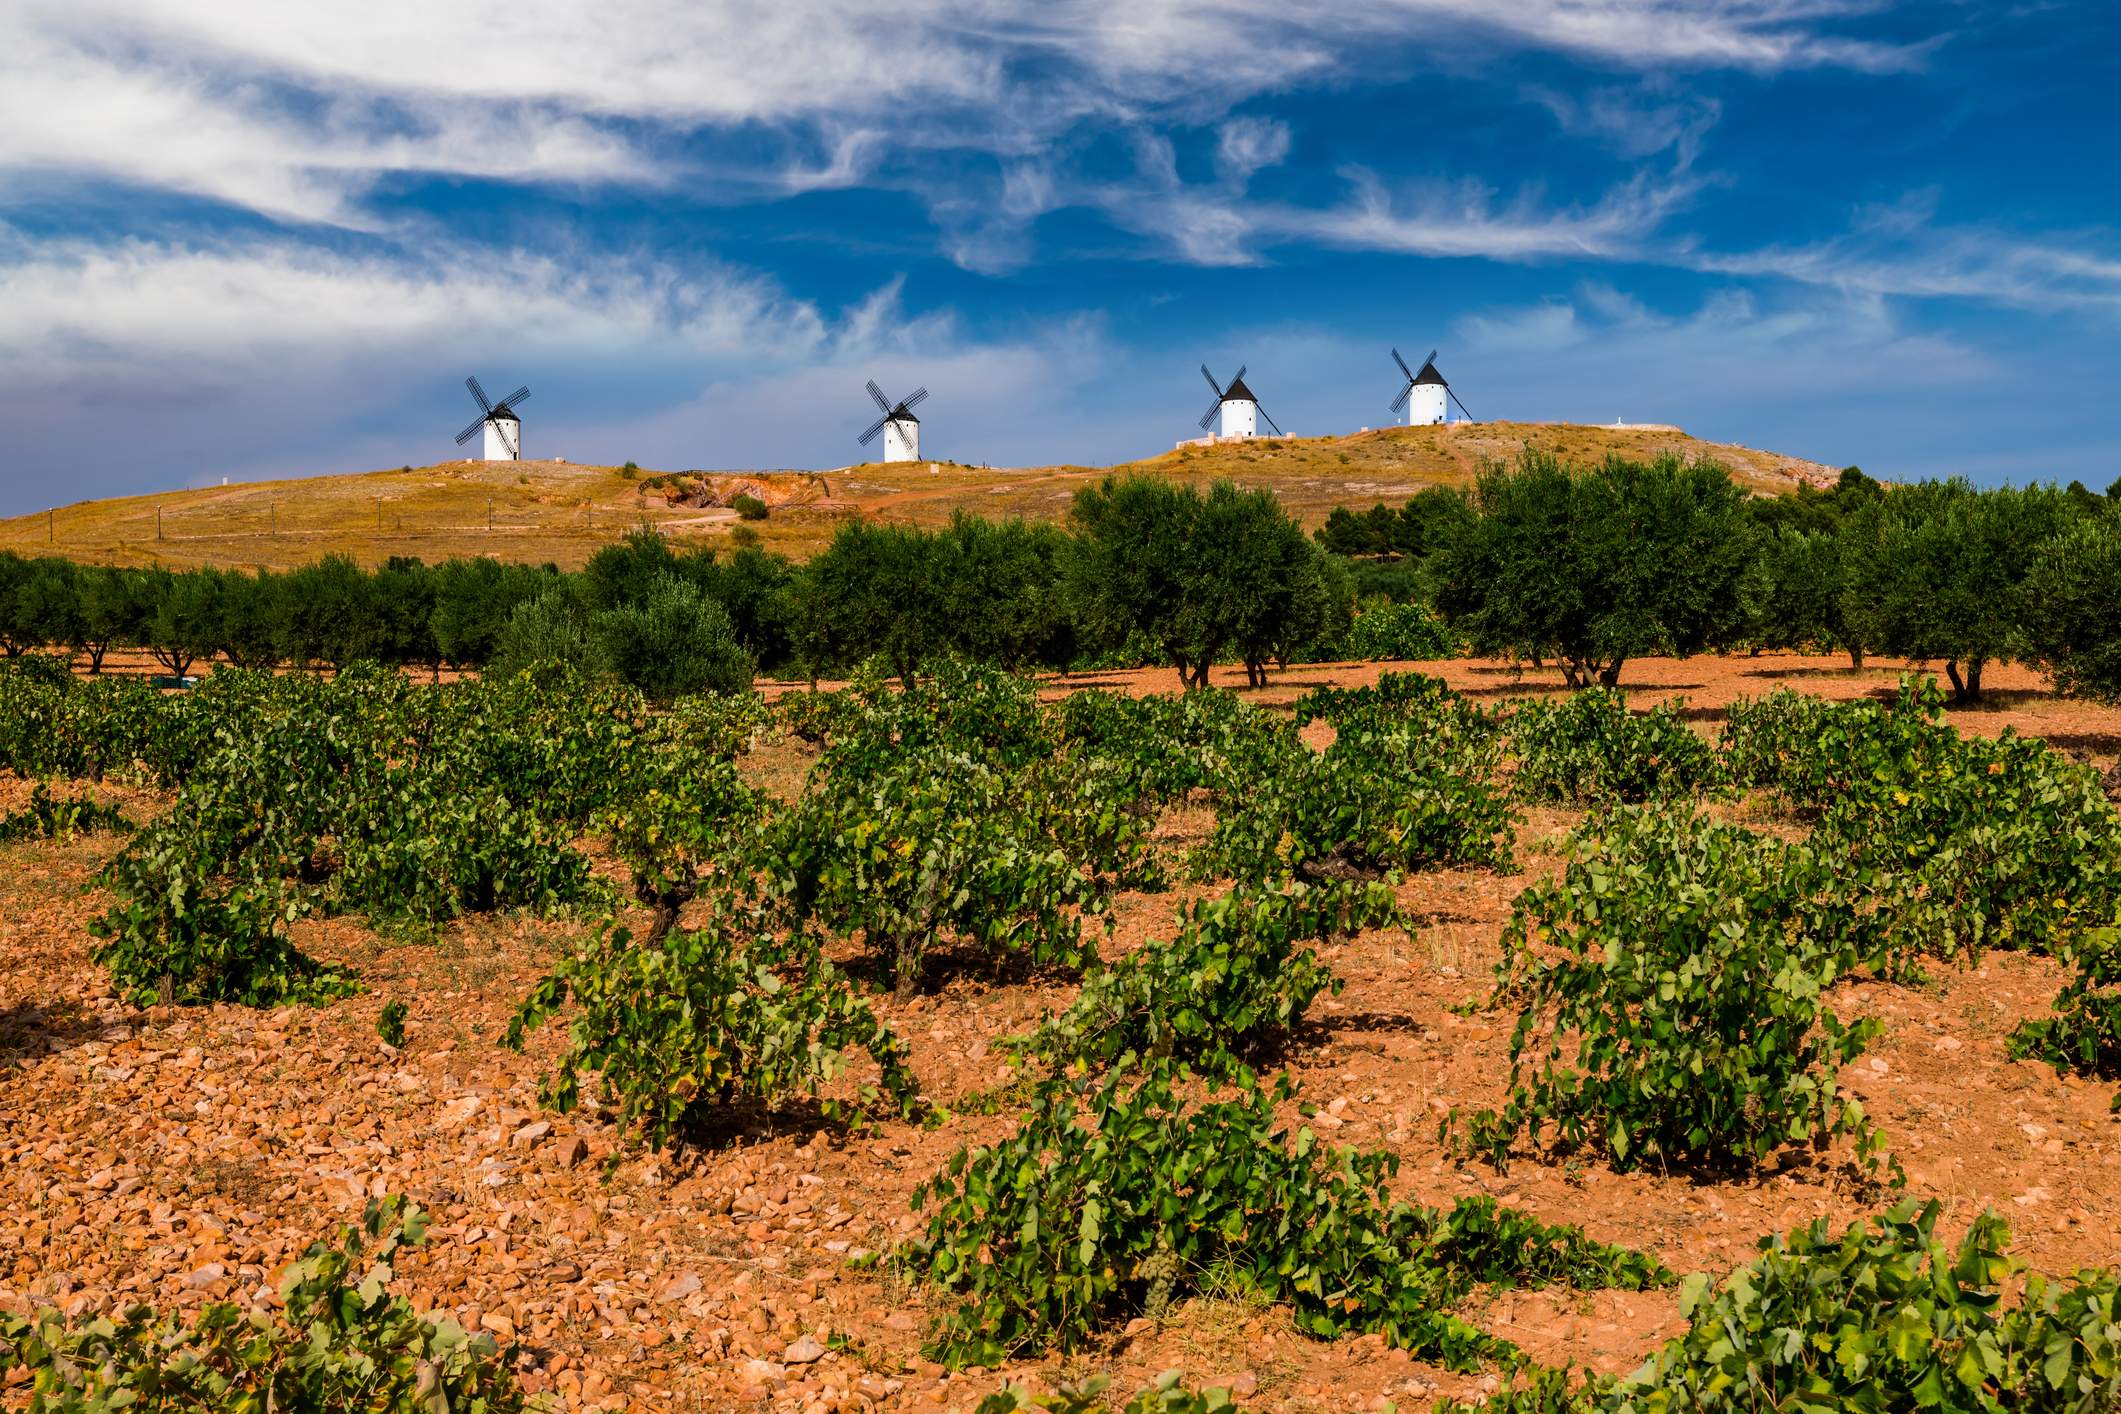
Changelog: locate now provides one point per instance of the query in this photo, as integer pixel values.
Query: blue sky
(245, 239)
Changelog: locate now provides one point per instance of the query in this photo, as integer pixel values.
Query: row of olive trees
(1593, 567)
(1586, 567)
(1146, 571)
(667, 635)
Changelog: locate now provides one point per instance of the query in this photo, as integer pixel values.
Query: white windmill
(901, 429)
(504, 430)
(1425, 393)
(1237, 406)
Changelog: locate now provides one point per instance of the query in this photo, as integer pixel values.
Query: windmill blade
(511, 440)
(1270, 421)
(513, 398)
(1461, 406)
(1430, 361)
(1211, 381)
(479, 393)
(1402, 368)
(470, 432)
(1209, 416)
(870, 436)
(883, 403)
(1399, 404)
(1240, 375)
(904, 406)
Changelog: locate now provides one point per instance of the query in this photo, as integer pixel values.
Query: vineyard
(950, 1040)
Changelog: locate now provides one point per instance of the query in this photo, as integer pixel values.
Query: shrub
(1590, 748)
(1882, 1317)
(435, 848)
(931, 848)
(549, 629)
(2084, 1034)
(1387, 794)
(1950, 844)
(365, 792)
(1167, 1396)
(50, 817)
(1063, 1228)
(1401, 699)
(748, 507)
(1693, 993)
(673, 642)
(1780, 742)
(683, 816)
(720, 1016)
(1165, 746)
(178, 935)
(345, 1342)
(1224, 989)
(1395, 632)
(390, 1024)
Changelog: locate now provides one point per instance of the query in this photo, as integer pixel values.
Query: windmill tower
(901, 429)
(1424, 394)
(504, 430)
(1237, 406)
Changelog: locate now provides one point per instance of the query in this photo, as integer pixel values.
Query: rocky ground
(182, 1156)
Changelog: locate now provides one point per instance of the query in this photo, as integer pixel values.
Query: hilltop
(561, 511)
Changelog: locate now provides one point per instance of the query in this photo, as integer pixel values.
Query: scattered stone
(763, 1372)
(804, 1351)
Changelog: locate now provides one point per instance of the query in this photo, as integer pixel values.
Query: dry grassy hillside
(561, 511)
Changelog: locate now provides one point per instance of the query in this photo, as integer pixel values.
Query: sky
(241, 238)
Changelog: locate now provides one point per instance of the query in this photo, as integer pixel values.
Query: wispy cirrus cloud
(81, 310)
(297, 111)
(1902, 249)
(1468, 219)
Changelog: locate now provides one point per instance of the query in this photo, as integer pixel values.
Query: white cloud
(279, 358)
(296, 111)
(78, 309)
(1913, 259)
(1733, 352)
(1245, 145)
(1543, 328)
(1636, 122)
(1467, 220)
(67, 109)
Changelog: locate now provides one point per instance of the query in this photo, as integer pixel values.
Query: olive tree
(1197, 576)
(866, 596)
(1937, 571)
(1596, 566)
(1802, 603)
(2072, 608)
(672, 641)
(995, 588)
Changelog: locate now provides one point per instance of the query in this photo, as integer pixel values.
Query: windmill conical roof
(504, 412)
(1237, 392)
(1429, 374)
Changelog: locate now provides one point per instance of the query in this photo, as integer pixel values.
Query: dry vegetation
(562, 511)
